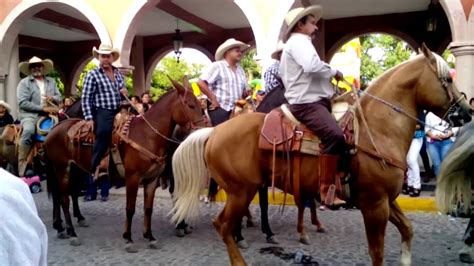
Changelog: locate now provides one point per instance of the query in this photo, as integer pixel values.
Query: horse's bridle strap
(153, 157)
(388, 160)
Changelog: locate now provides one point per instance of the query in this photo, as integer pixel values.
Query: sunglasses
(260, 93)
(105, 55)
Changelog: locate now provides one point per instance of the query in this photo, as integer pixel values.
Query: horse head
(437, 92)
(187, 111)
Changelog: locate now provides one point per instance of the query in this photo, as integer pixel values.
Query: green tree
(252, 69)
(82, 76)
(168, 66)
(57, 77)
(394, 52)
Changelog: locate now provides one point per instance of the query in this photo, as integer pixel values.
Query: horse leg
(132, 190)
(74, 241)
(149, 197)
(304, 238)
(250, 222)
(263, 201)
(227, 221)
(77, 212)
(466, 253)
(314, 217)
(375, 220)
(239, 239)
(404, 227)
(57, 222)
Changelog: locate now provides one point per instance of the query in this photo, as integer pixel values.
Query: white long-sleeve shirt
(438, 126)
(306, 78)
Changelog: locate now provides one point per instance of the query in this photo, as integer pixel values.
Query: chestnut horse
(389, 105)
(151, 132)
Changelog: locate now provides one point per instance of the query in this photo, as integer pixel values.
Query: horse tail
(454, 182)
(52, 181)
(190, 170)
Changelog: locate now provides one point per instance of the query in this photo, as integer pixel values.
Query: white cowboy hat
(6, 105)
(25, 66)
(278, 50)
(229, 44)
(298, 13)
(106, 49)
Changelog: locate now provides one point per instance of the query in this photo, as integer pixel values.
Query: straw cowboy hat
(229, 44)
(6, 105)
(278, 50)
(106, 49)
(298, 13)
(25, 66)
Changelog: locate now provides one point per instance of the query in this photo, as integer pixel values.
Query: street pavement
(436, 242)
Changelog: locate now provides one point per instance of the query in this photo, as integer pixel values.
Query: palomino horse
(389, 105)
(454, 186)
(143, 154)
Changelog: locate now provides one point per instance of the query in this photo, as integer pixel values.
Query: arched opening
(367, 56)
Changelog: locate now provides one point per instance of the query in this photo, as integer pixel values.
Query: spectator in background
(260, 95)
(5, 116)
(272, 74)
(440, 137)
(67, 102)
(413, 173)
(146, 101)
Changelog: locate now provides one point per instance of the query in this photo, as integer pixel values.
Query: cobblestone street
(436, 242)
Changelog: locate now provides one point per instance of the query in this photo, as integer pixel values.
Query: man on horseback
(224, 83)
(35, 94)
(272, 74)
(309, 91)
(101, 97)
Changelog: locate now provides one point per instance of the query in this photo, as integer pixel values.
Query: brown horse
(151, 132)
(231, 155)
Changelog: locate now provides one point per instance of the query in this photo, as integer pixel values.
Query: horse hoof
(130, 248)
(83, 223)
(153, 244)
(74, 241)
(321, 230)
(305, 240)
(63, 235)
(465, 254)
(180, 232)
(188, 230)
(242, 244)
(272, 240)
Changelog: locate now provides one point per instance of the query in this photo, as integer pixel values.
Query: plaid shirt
(227, 85)
(100, 92)
(270, 81)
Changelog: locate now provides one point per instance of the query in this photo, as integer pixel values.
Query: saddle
(281, 131)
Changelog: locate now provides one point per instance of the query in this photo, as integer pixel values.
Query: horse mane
(455, 178)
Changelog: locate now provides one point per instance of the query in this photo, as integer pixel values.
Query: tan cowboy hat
(278, 50)
(298, 13)
(229, 44)
(25, 66)
(6, 105)
(106, 49)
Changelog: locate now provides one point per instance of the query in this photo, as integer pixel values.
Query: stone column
(13, 78)
(464, 53)
(138, 63)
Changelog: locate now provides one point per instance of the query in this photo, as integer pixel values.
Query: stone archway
(160, 54)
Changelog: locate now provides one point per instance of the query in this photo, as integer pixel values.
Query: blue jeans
(437, 151)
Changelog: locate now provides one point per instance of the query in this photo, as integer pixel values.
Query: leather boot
(327, 187)
(23, 151)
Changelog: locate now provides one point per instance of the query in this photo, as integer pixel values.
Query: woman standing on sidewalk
(413, 173)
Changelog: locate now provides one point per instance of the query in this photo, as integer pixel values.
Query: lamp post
(177, 42)
(431, 21)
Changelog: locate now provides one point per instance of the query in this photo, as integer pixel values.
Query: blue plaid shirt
(270, 81)
(100, 92)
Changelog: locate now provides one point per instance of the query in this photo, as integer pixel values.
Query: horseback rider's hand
(214, 104)
(339, 76)
(50, 110)
(90, 124)
(124, 91)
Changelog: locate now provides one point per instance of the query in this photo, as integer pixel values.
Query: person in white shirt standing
(307, 80)
(34, 94)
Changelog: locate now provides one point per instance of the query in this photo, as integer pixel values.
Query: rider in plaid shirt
(273, 71)
(101, 97)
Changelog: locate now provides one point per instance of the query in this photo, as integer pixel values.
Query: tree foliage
(168, 66)
(393, 52)
(252, 69)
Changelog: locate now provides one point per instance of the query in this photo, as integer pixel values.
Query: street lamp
(177, 42)
(431, 21)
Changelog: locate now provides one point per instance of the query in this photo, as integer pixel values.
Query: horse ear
(426, 51)
(186, 83)
(177, 86)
